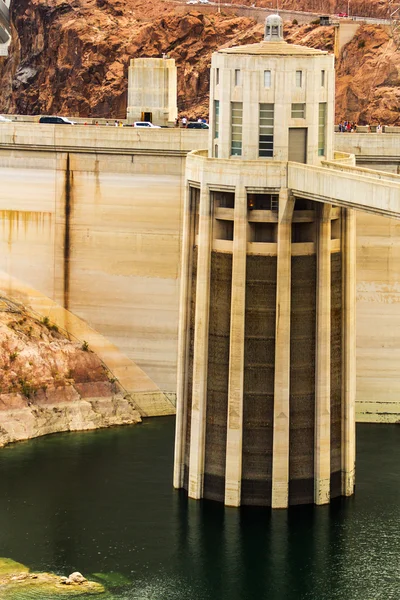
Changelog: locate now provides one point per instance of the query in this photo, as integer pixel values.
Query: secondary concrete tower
(152, 94)
(265, 411)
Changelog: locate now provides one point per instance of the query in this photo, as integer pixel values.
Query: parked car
(4, 120)
(192, 2)
(146, 124)
(197, 125)
(342, 15)
(204, 2)
(56, 120)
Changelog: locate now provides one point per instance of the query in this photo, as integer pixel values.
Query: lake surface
(102, 502)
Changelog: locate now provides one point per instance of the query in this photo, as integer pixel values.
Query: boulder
(76, 577)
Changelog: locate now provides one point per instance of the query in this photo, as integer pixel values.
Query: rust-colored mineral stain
(13, 219)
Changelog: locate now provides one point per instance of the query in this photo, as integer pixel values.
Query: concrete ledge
(91, 150)
(92, 139)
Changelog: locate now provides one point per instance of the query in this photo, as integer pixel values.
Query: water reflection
(103, 502)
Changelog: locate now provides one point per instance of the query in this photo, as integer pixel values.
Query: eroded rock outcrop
(366, 8)
(71, 56)
(368, 78)
(50, 384)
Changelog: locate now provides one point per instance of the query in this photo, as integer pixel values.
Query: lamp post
(348, 8)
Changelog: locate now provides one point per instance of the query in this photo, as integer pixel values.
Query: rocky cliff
(71, 56)
(49, 383)
(364, 8)
(368, 78)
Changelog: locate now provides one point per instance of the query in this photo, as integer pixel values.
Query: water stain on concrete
(68, 188)
(13, 220)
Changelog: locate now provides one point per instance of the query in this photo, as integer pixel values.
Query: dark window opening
(195, 207)
(303, 232)
(223, 230)
(262, 201)
(303, 204)
(224, 199)
(263, 232)
(335, 229)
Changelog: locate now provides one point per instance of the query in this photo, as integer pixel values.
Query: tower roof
(272, 48)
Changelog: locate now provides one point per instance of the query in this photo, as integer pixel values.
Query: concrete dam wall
(99, 232)
(92, 218)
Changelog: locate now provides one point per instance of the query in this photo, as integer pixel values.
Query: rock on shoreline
(50, 384)
(80, 415)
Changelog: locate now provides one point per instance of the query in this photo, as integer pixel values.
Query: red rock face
(364, 8)
(71, 57)
(38, 365)
(367, 88)
(50, 384)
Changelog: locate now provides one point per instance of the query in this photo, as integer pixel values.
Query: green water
(102, 502)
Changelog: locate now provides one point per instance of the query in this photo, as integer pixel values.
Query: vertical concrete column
(280, 452)
(183, 338)
(200, 351)
(233, 472)
(322, 436)
(349, 350)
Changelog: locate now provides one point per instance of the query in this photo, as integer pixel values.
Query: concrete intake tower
(266, 363)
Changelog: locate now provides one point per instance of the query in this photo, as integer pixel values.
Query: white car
(145, 124)
(204, 2)
(193, 2)
(4, 120)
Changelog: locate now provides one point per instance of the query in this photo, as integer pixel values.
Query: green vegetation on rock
(18, 583)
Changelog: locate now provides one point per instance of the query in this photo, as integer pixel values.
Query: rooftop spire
(273, 29)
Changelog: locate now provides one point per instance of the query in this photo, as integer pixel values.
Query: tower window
(223, 199)
(298, 111)
(275, 31)
(223, 230)
(194, 197)
(322, 78)
(299, 79)
(236, 128)
(322, 129)
(267, 79)
(237, 76)
(262, 201)
(216, 118)
(263, 232)
(216, 76)
(266, 131)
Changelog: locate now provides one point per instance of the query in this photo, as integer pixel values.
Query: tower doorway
(298, 144)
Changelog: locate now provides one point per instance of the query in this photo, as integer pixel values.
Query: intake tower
(266, 369)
